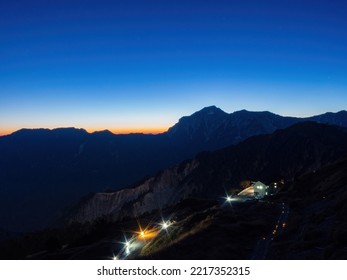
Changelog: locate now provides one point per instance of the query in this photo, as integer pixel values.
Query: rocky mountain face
(212, 128)
(285, 154)
(155, 193)
(216, 129)
(52, 169)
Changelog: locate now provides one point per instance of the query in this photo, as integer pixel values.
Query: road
(131, 248)
(264, 243)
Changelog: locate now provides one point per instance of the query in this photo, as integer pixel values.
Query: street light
(165, 225)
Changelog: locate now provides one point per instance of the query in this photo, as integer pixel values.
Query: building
(257, 190)
(260, 190)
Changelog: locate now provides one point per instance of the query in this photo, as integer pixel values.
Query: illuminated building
(260, 190)
(257, 190)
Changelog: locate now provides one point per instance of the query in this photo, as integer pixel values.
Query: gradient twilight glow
(140, 65)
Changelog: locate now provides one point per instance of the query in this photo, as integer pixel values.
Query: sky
(138, 66)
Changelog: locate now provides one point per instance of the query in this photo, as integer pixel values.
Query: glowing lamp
(164, 225)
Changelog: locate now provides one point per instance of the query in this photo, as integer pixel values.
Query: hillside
(309, 209)
(285, 154)
(53, 169)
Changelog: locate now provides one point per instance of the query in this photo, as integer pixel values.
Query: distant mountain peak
(45, 131)
(28, 130)
(69, 129)
(103, 132)
(210, 110)
(205, 113)
(242, 111)
(205, 121)
(246, 112)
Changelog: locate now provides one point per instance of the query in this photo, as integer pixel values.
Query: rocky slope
(53, 169)
(157, 192)
(286, 154)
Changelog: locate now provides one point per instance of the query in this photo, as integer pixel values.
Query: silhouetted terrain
(44, 171)
(310, 157)
(317, 228)
(285, 154)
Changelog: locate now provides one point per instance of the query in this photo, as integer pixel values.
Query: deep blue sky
(137, 65)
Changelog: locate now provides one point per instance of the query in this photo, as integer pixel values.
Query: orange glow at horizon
(6, 132)
(123, 130)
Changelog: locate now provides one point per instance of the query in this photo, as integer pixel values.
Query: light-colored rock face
(158, 192)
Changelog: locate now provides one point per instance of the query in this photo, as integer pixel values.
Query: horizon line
(144, 130)
(116, 131)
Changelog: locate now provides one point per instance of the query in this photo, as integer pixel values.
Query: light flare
(147, 234)
(165, 225)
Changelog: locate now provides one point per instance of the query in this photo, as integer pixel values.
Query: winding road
(264, 244)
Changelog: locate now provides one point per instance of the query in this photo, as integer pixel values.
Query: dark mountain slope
(339, 118)
(211, 128)
(317, 228)
(285, 154)
(43, 171)
(313, 164)
(52, 169)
